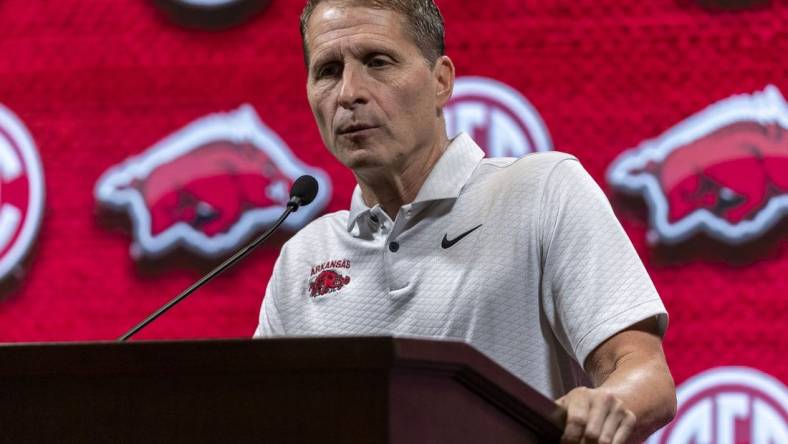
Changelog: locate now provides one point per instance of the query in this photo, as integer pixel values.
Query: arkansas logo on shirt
(329, 277)
(209, 186)
(21, 191)
(722, 171)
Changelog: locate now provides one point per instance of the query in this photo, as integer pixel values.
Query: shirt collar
(445, 181)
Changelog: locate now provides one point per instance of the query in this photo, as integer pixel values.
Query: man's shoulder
(533, 162)
(318, 231)
(534, 167)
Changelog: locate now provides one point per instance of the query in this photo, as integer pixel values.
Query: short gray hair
(423, 18)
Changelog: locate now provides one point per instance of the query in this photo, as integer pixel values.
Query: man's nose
(352, 90)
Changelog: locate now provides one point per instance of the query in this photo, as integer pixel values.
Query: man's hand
(596, 416)
(634, 394)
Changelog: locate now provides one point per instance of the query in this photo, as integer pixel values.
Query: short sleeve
(594, 284)
(270, 323)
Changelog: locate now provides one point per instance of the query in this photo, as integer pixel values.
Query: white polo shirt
(522, 258)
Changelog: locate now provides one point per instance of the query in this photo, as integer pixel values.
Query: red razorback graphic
(327, 281)
(209, 186)
(215, 182)
(723, 171)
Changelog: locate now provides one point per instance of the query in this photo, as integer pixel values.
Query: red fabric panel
(96, 82)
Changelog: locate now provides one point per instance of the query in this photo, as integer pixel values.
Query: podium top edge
(225, 357)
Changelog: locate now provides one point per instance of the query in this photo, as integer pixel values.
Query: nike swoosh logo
(446, 243)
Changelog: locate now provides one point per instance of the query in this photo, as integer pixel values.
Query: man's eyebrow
(364, 49)
(323, 57)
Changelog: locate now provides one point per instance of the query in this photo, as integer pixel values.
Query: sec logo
(21, 191)
(728, 405)
(211, 14)
(497, 117)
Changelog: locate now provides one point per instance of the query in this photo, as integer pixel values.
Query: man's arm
(634, 394)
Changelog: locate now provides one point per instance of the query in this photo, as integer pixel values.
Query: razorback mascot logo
(728, 405)
(497, 117)
(327, 281)
(723, 171)
(329, 277)
(21, 191)
(209, 186)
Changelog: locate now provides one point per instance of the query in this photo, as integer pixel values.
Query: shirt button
(393, 246)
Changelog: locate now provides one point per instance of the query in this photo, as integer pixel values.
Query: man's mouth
(354, 129)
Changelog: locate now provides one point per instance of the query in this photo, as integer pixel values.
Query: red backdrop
(96, 82)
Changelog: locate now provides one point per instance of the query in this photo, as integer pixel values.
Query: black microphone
(302, 192)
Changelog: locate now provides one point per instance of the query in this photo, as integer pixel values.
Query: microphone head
(304, 190)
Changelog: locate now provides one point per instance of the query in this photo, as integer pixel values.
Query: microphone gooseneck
(302, 192)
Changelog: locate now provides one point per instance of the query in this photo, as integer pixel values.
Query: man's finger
(600, 409)
(610, 427)
(576, 420)
(624, 428)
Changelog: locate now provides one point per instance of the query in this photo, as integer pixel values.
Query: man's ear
(443, 73)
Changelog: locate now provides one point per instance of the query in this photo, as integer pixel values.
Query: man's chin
(361, 161)
(359, 156)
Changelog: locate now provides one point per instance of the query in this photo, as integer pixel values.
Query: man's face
(374, 96)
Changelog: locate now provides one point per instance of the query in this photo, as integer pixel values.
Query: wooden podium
(299, 390)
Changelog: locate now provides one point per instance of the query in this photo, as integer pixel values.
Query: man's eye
(377, 62)
(328, 71)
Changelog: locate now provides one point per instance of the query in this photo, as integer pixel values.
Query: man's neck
(392, 189)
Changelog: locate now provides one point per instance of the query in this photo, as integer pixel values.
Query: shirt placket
(395, 257)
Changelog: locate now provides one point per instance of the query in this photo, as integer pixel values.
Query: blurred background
(114, 115)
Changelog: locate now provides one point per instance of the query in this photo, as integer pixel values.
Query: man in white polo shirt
(523, 259)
